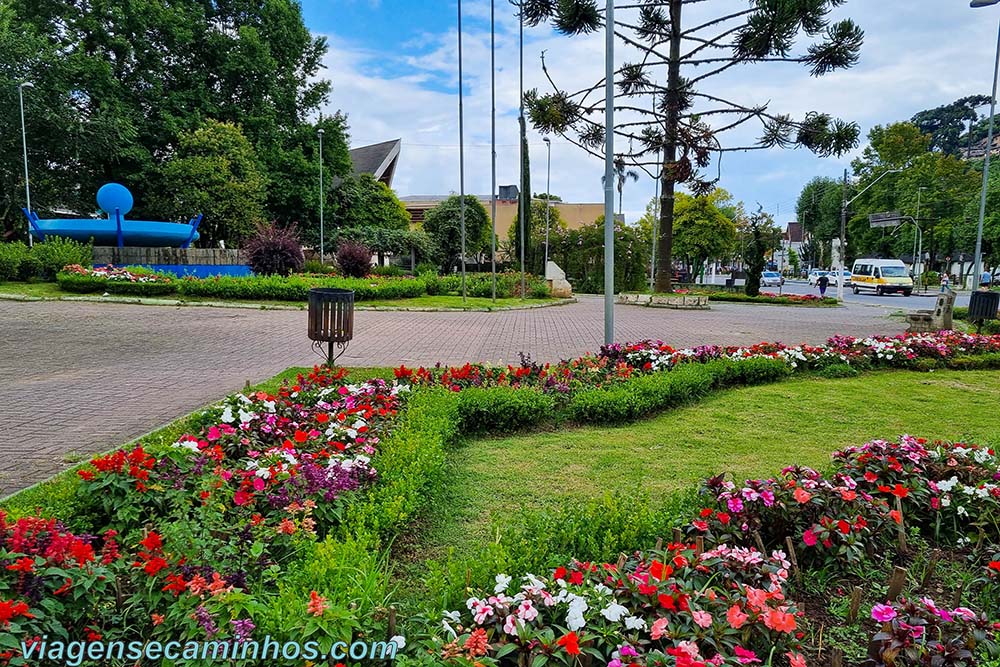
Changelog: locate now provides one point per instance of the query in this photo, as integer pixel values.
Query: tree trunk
(665, 271)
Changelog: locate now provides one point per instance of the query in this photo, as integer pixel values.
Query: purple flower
(242, 629)
(205, 620)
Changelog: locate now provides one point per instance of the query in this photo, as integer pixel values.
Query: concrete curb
(139, 301)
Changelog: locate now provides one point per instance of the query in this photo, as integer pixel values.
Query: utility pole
(522, 213)
(461, 148)
(843, 233)
(493, 148)
(322, 193)
(24, 144)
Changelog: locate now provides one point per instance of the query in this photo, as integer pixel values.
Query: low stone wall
(172, 256)
(675, 301)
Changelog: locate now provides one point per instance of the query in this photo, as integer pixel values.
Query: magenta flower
(883, 613)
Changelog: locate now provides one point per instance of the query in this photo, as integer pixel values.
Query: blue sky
(393, 65)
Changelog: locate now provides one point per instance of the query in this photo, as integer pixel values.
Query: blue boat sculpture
(116, 201)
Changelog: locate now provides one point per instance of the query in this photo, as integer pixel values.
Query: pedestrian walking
(945, 280)
(822, 282)
(986, 280)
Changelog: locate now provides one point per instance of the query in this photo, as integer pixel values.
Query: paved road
(79, 378)
(915, 301)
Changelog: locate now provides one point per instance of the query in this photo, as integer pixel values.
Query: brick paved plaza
(80, 378)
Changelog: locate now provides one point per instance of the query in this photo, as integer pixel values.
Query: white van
(883, 276)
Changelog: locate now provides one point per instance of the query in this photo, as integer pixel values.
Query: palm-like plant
(622, 175)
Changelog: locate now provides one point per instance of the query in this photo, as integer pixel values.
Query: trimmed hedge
(296, 288)
(642, 395)
(502, 409)
(42, 261)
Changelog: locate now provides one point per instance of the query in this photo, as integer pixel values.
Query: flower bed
(190, 537)
(724, 597)
(272, 515)
(115, 280)
(621, 361)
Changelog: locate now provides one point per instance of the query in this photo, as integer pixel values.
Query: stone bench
(938, 319)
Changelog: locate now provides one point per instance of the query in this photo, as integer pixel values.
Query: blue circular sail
(113, 196)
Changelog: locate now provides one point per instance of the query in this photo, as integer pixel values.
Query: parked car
(884, 276)
(815, 274)
(833, 278)
(771, 279)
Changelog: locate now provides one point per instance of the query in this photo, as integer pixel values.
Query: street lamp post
(548, 197)
(843, 225)
(493, 151)
(609, 170)
(989, 146)
(322, 250)
(918, 250)
(24, 144)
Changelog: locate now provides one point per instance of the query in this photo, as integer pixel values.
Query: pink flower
(213, 434)
(883, 613)
(659, 628)
(258, 483)
(796, 659)
(746, 657)
(809, 537)
(702, 618)
(735, 617)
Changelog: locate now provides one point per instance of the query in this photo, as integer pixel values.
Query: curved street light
(843, 224)
(322, 255)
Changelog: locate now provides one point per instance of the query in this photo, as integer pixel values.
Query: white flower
(614, 612)
(601, 589)
(503, 581)
(574, 617)
(187, 444)
(399, 641)
(635, 623)
(246, 417)
(227, 415)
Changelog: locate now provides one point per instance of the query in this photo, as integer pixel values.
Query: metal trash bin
(331, 319)
(984, 306)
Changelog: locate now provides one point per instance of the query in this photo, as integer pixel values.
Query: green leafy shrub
(432, 282)
(316, 266)
(409, 463)
(837, 371)
(749, 372)
(11, 256)
(55, 252)
(388, 270)
(988, 361)
(642, 395)
(539, 289)
(961, 313)
(502, 409)
(296, 288)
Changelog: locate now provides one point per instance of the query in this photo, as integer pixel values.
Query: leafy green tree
(367, 202)
(793, 261)
(672, 130)
(214, 172)
(536, 243)
(762, 238)
(940, 183)
(443, 224)
(701, 231)
(947, 124)
(818, 208)
(580, 253)
(119, 82)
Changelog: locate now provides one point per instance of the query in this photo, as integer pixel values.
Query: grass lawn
(52, 291)
(752, 431)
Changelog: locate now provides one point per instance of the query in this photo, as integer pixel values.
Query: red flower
(560, 573)
(871, 477)
(576, 578)
(242, 498)
(896, 516)
(723, 518)
(660, 570)
(994, 565)
(571, 643)
(10, 609)
(86, 475)
(25, 564)
(65, 587)
(175, 584)
(152, 542)
(843, 527)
